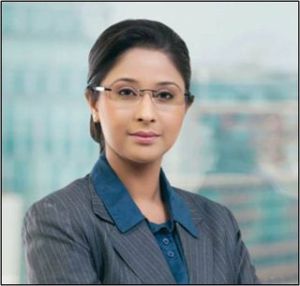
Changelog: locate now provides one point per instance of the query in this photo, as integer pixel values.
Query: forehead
(145, 66)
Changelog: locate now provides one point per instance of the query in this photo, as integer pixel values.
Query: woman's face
(142, 69)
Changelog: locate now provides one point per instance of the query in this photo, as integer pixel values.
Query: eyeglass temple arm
(98, 88)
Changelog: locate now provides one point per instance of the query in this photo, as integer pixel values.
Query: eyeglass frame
(188, 96)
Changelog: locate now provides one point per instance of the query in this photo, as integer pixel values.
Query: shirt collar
(121, 206)
(178, 209)
(169, 226)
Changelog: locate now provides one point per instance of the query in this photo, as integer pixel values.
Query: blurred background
(239, 143)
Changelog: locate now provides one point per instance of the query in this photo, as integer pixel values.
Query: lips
(145, 137)
(145, 134)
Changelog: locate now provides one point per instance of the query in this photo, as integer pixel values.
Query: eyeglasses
(125, 95)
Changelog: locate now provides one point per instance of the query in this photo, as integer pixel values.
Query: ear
(92, 103)
(187, 106)
(189, 103)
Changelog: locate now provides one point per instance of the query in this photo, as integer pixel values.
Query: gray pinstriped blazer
(69, 238)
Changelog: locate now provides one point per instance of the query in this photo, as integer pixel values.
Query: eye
(164, 95)
(127, 92)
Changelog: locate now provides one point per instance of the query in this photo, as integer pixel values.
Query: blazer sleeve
(55, 250)
(245, 271)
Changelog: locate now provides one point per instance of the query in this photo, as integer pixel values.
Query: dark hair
(122, 36)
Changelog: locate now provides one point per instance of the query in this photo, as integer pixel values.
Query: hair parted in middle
(125, 35)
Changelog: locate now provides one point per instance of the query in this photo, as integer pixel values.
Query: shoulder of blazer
(71, 203)
(78, 201)
(75, 193)
(212, 213)
(197, 200)
(63, 224)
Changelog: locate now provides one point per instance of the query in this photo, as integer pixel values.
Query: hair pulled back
(125, 35)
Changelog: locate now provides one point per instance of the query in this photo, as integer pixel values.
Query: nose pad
(146, 110)
(146, 91)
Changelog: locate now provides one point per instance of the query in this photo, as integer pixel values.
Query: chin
(144, 156)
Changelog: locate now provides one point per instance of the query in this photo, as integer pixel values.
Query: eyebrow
(132, 80)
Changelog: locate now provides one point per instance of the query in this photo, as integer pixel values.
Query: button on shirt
(126, 214)
(169, 243)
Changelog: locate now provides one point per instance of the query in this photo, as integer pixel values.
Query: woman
(124, 223)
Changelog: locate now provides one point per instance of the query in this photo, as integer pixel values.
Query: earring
(95, 117)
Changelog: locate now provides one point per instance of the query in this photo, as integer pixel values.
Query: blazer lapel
(141, 252)
(198, 254)
(137, 247)
(98, 206)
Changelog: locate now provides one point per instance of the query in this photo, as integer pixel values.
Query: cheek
(172, 125)
(114, 122)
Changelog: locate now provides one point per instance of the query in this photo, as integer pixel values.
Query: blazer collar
(121, 208)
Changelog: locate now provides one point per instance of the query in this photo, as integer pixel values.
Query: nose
(145, 110)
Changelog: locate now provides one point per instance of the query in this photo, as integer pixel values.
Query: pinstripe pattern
(69, 238)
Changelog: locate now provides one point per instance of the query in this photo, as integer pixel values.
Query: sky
(220, 33)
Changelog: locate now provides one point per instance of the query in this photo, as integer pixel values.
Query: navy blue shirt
(169, 243)
(126, 214)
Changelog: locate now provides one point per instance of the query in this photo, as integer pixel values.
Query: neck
(141, 180)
